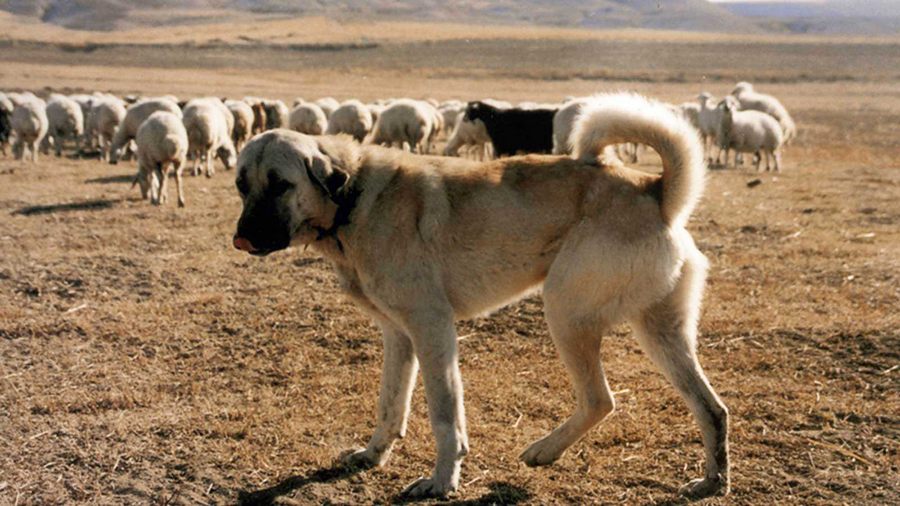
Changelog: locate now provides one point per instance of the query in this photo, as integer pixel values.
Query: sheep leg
(179, 182)
(196, 169)
(162, 172)
(210, 170)
(34, 151)
(154, 186)
(777, 155)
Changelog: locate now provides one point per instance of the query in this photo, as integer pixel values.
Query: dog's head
(289, 183)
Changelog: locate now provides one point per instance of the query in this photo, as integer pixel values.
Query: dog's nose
(243, 244)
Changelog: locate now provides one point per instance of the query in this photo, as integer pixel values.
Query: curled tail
(626, 117)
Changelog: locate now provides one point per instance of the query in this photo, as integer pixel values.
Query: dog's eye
(278, 185)
(242, 185)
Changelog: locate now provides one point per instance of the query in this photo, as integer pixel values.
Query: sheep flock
(163, 133)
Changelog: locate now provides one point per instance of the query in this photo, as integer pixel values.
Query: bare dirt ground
(144, 361)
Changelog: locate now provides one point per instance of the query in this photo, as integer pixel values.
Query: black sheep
(515, 130)
(5, 128)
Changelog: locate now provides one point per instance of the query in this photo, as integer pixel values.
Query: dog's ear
(328, 175)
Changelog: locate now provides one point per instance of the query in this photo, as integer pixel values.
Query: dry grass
(142, 360)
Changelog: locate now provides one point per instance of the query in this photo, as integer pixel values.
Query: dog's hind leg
(579, 349)
(398, 377)
(577, 320)
(667, 333)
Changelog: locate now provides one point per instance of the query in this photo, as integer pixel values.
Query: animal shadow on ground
(267, 496)
(122, 178)
(501, 492)
(84, 205)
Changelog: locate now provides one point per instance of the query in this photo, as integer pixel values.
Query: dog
(419, 242)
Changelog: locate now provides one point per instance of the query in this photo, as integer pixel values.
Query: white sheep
(375, 109)
(208, 137)
(259, 114)
(162, 145)
(749, 132)
(226, 112)
(277, 114)
(29, 124)
(469, 134)
(308, 118)
(691, 112)
(243, 122)
(752, 100)
(134, 116)
(709, 117)
(104, 118)
(65, 121)
(451, 113)
(407, 124)
(563, 123)
(352, 118)
(328, 105)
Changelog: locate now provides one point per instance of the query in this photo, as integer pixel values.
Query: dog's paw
(362, 458)
(705, 487)
(428, 488)
(541, 453)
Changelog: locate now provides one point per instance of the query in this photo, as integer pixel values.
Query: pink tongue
(243, 244)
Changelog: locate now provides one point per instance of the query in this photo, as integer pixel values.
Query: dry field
(144, 361)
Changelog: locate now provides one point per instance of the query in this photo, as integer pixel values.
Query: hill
(106, 15)
(871, 17)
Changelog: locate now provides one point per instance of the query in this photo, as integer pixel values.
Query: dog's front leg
(436, 348)
(398, 377)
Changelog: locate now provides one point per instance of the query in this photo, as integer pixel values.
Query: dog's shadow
(500, 492)
(267, 496)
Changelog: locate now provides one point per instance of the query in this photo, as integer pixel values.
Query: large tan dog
(419, 242)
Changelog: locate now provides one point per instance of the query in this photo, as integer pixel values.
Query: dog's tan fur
(431, 240)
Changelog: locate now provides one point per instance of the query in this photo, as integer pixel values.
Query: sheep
(65, 121)
(450, 113)
(243, 122)
(437, 126)
(208, 137)
(134, 116)
(352, 118)
(469, 134)
(259, 114)
(308, 118)
(749, 132)
(563, 123)
(226, 112)
(691, 112)
(328, 105)
(105, 117)
(515, 130)
(407, 123)
(162, 145)
(752, 100)
(709, 117)
(20, 98)
(29, 123)
(375, 109)
(6, 110)
(277, 114)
